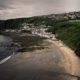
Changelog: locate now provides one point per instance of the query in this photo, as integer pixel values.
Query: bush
(77, 50)
(26, 31)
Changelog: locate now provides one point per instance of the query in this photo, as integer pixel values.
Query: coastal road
(46, 64)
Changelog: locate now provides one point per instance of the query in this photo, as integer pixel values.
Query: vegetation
(26, 31)
(69, 33)
(36, 21)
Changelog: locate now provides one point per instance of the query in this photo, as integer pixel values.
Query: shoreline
(6, 59)
(12, 46)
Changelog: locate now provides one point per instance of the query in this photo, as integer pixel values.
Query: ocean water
(5, 48)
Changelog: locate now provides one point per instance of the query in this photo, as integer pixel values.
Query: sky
(27, 8)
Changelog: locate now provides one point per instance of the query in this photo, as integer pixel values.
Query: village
(36, 30)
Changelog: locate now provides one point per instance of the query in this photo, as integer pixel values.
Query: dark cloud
(26, 8)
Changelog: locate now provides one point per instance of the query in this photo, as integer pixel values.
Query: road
(46, 64)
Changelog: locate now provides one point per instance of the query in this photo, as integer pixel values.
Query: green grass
(69, 33)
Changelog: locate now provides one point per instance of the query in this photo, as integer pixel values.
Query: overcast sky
(27, 8)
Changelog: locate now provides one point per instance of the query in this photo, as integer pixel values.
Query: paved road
(46, 64)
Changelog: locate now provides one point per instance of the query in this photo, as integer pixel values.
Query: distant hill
(39, 20)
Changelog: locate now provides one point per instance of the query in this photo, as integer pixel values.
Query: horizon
(28, 8)
(41, 15)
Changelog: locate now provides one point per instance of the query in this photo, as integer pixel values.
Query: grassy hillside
(69, 33)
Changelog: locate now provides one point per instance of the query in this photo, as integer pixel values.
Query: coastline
(5, 59)
(7, 49)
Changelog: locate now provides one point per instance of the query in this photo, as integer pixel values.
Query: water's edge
(6, 48)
